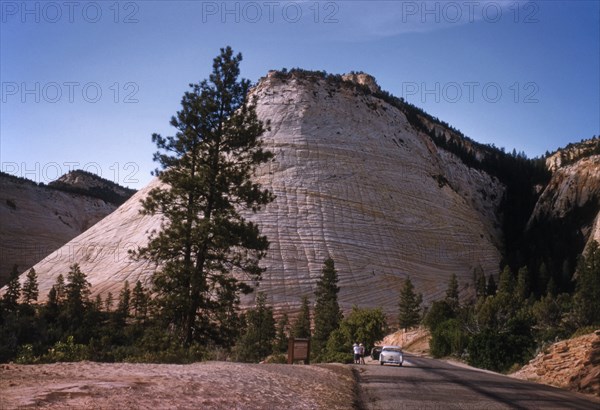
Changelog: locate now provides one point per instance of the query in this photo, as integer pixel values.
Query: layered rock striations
(572, 195)
(36, 220)
(354, 181)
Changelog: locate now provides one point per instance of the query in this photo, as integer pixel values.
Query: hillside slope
(354, 180)
(37, 220)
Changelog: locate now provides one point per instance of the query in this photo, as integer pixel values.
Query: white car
(391, 354)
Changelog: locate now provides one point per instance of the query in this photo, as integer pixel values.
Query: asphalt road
(431, 384)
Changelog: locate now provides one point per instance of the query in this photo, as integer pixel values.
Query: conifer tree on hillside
(206, 169)
(77, 291)
(327, 311)
(10, 299)
(30, 288)
(256, 342)
(301, 327)
(587, 291)
(409, 314)
(282, 334)
(452, 294)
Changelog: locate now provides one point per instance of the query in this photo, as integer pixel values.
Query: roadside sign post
(298, 349)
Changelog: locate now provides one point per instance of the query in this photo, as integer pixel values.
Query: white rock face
(572, 186)
(353, 181)
(36, 221)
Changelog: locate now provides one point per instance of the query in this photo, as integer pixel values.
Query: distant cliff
(36, 220)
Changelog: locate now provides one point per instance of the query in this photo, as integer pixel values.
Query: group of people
(359, 353)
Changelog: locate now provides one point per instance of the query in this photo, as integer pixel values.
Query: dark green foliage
(479, 281)
(122, 313)
(256, 342)
(439, 312)
(10, 300)
(587, 292)
(448, 338)
(366, 326)
(327, 313)
(30, 288)
(282, 335)
(523, 286)
(491, 287)
(108, 191)
(208, 165)
(452, 294)
(409, 306)
(139, 302)
(301, 327)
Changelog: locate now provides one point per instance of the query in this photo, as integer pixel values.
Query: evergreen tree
(452, 294)
(108, 302)
(523, 290)
(587, 291)
(542, 279)
(257, 341)
(491, 288)
(479, 281)
(301, 328)
(206, 169)
(282, 335)
(77, 292)
(30, 288)
(506, 283)
(409, 306)
(139, 301)
(122, 312)
(60, 288)
(10, 300)
(327, 313)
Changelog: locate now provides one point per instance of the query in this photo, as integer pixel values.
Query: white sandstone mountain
(354, 181)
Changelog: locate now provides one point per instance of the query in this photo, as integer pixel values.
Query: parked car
(391, 354)
(375, 352)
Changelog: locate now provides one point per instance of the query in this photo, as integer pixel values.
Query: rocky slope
(37, 220)
(572, 364)
(354, 180)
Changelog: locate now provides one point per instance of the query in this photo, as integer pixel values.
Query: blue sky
(86, 83)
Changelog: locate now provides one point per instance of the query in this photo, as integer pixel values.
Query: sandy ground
(209, 385)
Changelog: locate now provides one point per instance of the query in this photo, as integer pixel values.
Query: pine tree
(327, 313)
(409, 314)
(587, 290)
(301, 327)
(491, 288)
(77, 292)
(282, 335)
(452, 294)
(206, 169)
(122, 312)
(522, 289)
(506, 283)
(139, 301)
(10, 300)
(108, 302)
(257, 341)
(30, 288)
(479, 281)
(60, 288)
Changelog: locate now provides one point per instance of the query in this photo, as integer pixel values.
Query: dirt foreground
(209, 385)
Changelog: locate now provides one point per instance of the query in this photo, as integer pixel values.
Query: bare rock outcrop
(571, 364)
(37, 220)
(354, 181)
(574, 187)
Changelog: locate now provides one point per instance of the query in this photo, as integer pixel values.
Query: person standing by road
(356, 351)
(362, 354)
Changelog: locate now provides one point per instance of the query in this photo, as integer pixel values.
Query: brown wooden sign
(298, 349)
